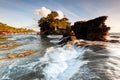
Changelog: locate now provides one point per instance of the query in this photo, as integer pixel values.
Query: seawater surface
(93, 60)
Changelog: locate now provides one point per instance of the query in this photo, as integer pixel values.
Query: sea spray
(62, 62)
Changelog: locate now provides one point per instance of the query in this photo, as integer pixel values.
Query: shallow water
(94, 60)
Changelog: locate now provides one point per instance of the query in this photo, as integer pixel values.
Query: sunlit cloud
(43, 11)
(60, 14)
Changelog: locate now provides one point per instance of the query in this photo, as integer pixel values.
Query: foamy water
(69, 62)
(62, 62)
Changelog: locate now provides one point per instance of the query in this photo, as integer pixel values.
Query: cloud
(42, 12)
(60, 14)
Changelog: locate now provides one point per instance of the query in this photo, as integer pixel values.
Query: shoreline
(25, 33)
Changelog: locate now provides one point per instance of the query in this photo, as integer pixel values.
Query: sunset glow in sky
(20, 13)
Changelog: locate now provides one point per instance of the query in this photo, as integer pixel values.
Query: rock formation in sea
(51, 25)
(93, 30)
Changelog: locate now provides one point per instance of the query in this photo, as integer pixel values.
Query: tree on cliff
(51, 24)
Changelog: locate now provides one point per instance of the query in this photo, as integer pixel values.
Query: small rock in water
(14, 55)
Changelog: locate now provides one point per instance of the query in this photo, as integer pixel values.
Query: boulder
(94, 30)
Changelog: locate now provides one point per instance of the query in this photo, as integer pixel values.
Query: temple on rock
(93, 30)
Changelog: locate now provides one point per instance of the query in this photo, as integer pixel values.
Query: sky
(20, 13)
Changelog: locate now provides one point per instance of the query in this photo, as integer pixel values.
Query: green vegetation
(4, 28)
(51, 24)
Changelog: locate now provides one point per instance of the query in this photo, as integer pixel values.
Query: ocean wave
(61, 61)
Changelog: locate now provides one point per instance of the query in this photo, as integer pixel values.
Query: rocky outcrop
(15, 55)
(8, 47)
(94, 30)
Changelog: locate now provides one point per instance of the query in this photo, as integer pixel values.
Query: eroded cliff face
(94, 30)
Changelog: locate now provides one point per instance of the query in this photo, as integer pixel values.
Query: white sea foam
(55, 41)
(54, 36)
(114, 49)
(62, 62)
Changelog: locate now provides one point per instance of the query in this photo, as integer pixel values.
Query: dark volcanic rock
(94, 30)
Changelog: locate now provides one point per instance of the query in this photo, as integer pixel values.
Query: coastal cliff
(94, 29)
